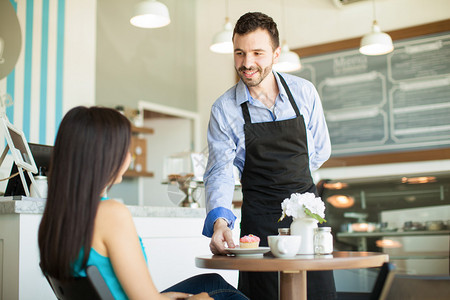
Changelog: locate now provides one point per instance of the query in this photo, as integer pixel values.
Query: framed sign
(388, 108)
(18, 146)
(22, 156)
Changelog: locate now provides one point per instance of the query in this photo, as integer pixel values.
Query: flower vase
(305, 228)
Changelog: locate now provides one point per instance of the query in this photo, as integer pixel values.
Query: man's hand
(201, 296)
(222, 234)
(183, 296)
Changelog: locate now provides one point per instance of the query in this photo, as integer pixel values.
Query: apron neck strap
(288, 91)
(245, 112)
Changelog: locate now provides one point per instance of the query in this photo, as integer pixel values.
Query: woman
(82, 227)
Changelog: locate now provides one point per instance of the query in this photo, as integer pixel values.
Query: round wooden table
(293, 270)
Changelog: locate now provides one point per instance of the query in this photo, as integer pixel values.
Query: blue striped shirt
(226, 140)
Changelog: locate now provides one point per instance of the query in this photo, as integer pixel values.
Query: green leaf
(315, 216)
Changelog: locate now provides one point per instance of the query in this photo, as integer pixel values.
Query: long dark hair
(252, 21)
(90, 148)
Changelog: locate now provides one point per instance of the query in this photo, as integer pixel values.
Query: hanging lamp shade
(288, 61)
(150, 14)
(222, 41)
(376, 42)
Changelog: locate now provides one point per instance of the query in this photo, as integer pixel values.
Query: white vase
(305, 228)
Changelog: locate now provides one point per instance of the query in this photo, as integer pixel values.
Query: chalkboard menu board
(394, 102)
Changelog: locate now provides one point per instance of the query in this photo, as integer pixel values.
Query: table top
(268, 262)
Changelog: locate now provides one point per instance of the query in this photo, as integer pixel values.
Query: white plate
(248, 251)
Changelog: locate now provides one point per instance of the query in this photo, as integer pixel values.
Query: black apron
(276, 165)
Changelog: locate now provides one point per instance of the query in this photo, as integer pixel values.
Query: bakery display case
(406, 217)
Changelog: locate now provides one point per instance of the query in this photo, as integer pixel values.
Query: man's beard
(254, 81)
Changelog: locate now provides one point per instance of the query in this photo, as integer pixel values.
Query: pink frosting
(249, 239)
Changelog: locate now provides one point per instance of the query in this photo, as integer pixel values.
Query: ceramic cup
(284, 245)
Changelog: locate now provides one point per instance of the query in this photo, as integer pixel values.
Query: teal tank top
(105, 267)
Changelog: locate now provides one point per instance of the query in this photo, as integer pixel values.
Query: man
(272, 128)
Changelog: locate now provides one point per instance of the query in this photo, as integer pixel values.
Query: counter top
(36, 206)
(26, 206)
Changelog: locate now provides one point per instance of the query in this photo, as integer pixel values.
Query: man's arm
(318, 127)
(219, 183)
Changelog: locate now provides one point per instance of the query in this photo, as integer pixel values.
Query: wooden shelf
(395, 233)
(138, 149)
(385, 158)
(132, 173)
(135, 129)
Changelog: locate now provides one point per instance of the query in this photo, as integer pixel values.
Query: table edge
(369, 260)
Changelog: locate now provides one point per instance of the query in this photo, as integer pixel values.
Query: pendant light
(150, 14)
(288, 61)
(223, 40)
(376, 42)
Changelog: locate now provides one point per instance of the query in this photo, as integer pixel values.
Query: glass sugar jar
(284, 231)
(323, 240)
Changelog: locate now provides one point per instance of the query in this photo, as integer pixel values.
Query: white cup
(41, 184)
(284, 246)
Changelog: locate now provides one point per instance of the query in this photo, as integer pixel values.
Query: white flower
(303, 205)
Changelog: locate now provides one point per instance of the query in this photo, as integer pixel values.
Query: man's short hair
(252, 21)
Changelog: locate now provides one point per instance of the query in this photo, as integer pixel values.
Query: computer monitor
(42, 156)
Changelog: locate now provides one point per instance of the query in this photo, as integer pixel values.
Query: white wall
(155, 65)
(308, 22)
(79, 60)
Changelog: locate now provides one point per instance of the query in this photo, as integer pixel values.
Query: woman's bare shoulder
(113, 210)
(112, 203)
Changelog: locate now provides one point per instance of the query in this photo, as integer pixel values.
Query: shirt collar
(243, 94)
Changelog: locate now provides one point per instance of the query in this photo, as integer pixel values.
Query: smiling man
(270, 126)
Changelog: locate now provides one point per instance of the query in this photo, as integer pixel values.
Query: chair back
(92, 287)
(383, 283)
(413, 287)
(99, 283)
(380, 288)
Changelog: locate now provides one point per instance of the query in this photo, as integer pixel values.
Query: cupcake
(249, 241)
